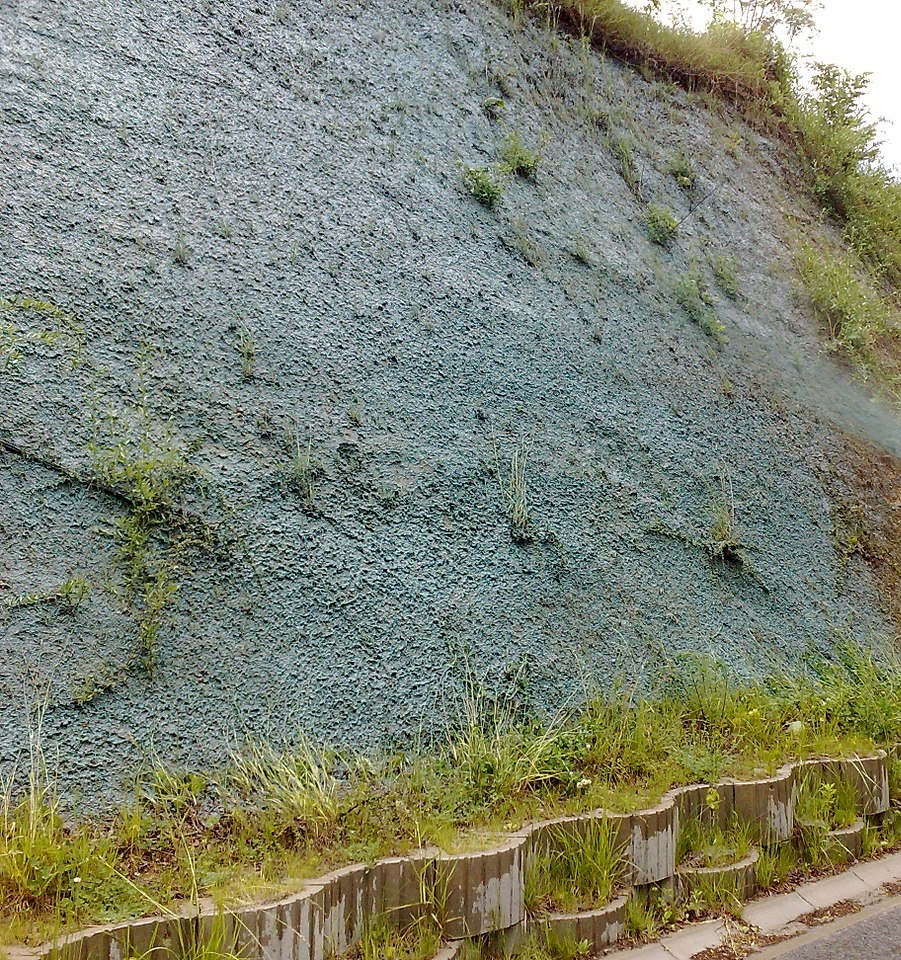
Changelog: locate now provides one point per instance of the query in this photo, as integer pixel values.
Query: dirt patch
(817, 918)
(867, 519)
(739, 940)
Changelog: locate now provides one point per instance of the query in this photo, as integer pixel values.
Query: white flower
(583, 783)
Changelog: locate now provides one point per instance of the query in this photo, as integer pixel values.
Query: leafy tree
(794, 17)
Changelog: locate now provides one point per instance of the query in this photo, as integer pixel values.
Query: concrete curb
(479, 893)
(779, 914)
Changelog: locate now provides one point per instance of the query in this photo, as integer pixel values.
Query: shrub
(661, 223)
(484, 184)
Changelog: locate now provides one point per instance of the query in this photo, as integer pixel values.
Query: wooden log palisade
(482, 893)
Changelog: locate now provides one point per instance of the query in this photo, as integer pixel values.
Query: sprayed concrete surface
(179, 177)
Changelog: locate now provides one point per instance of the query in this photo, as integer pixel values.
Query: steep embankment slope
(266, 466)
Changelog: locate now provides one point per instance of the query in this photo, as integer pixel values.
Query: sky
(861, 36)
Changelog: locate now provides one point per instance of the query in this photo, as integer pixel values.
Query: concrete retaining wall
(483, 892)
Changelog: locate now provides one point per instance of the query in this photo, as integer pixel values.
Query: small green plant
(141, 464)
(57, 327)
(641, 920)
(384, 940)
(682, 169)
(69, 595)
(518, 159)
(850, 534)
(72, 593)
(485, 184)
(523, 243)
(494, 107)
(724, 272)
(693, 295)
(355, 414)
(823, 806)
(550, 944)
(580, 253)
(181, 253)
(703, 844)
(247, 349)
(716, 894)
(662, 225)
(775, 863)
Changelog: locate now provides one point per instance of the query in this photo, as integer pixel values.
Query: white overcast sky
(861, 36)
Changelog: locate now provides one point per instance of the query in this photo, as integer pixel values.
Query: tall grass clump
(294, 792)
(50, 870)
(704, 844)
(852, 311)
(579, 870)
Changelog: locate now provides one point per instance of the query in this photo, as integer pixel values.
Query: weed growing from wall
(682, 170)
(58, 328)
(520, 241)
(622, 151)
(724, 540)
(485, 184)
(514, 493)
(139, 461)
(725, 274)
(68, 596)
(247, 350)
(662, 226)
(693, 295)
(518, 159)
(304, 467)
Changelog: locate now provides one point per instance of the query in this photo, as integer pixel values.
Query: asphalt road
(873, 934)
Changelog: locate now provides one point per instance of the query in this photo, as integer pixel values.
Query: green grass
(775, 864)
(383, 940)
(852, 311)
(703, 844)
(682, 170)
(693, 295)
(579, 871)
(725, 274)
(823, 806)
(275, 816)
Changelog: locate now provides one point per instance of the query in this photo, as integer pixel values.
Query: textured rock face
(199, 182)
